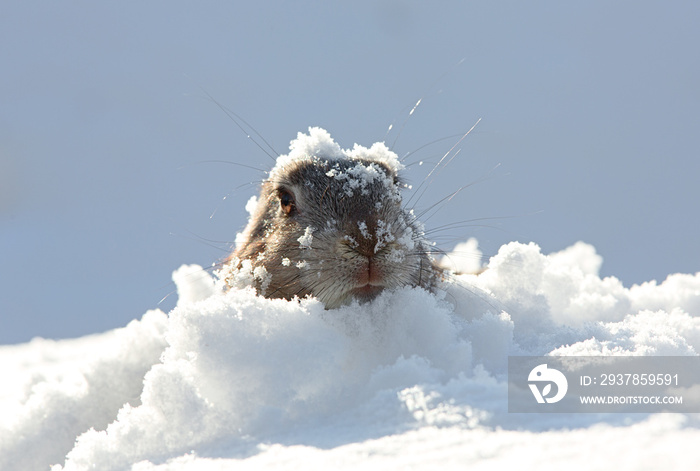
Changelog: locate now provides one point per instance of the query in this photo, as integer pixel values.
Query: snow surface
(410, 381)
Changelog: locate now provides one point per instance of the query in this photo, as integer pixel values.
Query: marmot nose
(368, 274)
(365, 247)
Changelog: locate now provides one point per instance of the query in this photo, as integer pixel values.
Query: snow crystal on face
(243, 276)
(363, 229)
(260, 273)
(406, 236)
(396, 256)
(307, 239)
(351, 240)
(360, 177)
(384, 235)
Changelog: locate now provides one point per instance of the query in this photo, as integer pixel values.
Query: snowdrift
(229, 380)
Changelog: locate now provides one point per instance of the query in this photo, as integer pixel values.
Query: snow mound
(53, 391)
(464, 258)
(232, 380)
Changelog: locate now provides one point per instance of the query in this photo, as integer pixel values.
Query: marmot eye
(287, 202)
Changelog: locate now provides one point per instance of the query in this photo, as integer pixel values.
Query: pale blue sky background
(591, 108)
